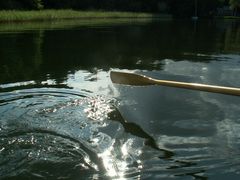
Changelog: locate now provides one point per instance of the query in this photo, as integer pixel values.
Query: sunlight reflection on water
(62, 118)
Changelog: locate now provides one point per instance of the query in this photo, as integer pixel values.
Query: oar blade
(130, 79)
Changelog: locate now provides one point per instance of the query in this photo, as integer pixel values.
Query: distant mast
(196, 10)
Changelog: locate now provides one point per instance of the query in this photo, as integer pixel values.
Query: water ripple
(49, 133)
(60, 133)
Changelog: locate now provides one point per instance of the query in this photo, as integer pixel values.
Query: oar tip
(127, 78)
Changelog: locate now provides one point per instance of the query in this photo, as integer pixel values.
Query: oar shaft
(141, 80)
(201, 87)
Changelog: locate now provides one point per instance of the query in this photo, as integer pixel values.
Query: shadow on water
(136, 130)
(44, 53)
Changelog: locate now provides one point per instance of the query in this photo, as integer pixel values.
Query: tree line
(183, 8)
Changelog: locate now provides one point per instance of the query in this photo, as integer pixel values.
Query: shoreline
(7, 16)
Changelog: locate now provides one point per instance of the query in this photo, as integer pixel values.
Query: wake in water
(59, 133)
(52, 133)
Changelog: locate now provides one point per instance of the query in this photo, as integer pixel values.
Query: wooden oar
(141, 80)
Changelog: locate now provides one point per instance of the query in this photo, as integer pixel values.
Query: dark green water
(62, 118)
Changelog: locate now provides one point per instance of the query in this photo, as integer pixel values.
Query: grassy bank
(227, 17)
(231, 17)
(18, 16)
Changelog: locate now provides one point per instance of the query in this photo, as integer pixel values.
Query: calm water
(62, 118)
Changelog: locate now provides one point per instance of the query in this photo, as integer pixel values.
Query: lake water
(62, 118)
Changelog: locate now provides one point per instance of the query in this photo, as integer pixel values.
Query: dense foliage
(204, 8)
(235, 5)
(183, 8)
(21, 4)
(121, 5)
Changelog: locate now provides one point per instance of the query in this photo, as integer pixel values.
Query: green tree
(21, 4)
(32, 4)
(235, 5)
(10, 4)
(186, 8)
(62, 4)
(38, 4)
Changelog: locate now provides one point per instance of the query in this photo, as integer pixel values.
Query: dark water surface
(62, 118)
